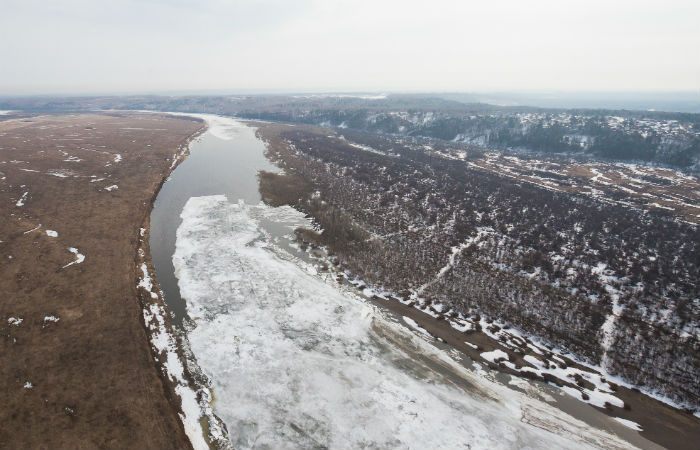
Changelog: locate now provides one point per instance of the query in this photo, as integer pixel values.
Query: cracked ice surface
(295, 362)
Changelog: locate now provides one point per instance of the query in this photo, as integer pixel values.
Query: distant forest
(665, 138)
(636, 139)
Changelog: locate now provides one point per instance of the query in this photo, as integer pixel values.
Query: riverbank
(168, 345)
(76, 361)
(489, 342)
(224, 160)
(297, 361)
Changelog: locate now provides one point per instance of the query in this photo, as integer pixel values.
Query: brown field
(77, 371)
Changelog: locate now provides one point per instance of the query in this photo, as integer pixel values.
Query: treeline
(644, 135)
(547, 133)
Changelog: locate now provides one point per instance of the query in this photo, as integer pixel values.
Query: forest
(670, 139)
(611, 285)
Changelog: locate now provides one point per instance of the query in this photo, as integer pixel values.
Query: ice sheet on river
(295, 362)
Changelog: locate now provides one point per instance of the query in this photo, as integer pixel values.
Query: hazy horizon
(670, 101)
(312, 91)
(82, 47)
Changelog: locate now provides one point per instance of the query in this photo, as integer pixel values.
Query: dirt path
(75, 363)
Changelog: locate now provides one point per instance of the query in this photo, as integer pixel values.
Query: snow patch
(412, 323)
(50, 319)
(33, 229)
(629, 424)
(165, 346)
(145, 281)
(22, 199)
(79, 257)
(495, 356)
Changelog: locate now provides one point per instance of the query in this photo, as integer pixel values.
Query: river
(297, 361)
(224, 160)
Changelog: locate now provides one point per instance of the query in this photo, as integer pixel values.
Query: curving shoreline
(213, 167)
(165, 341)
(75, 368)
(435, 330)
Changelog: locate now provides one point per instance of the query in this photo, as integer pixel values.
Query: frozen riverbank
(296, 363)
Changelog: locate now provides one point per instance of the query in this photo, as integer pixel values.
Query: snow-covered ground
(297, 362)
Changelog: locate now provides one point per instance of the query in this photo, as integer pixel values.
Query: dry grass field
(76, 367)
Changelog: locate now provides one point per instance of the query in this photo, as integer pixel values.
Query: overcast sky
(93, 46)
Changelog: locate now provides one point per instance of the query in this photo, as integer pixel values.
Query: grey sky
(76, 46)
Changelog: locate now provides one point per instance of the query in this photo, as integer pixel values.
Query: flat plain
(75, 363)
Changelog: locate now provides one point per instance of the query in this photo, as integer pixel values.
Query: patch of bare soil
(75, 360)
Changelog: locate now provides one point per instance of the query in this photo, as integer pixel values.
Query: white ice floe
(79, 257)
(296, 362)
(112, 187)
(52, 233)
(15, 321)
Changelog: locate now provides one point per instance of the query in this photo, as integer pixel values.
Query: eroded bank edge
(186, 387)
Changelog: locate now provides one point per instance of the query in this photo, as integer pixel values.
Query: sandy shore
(76, 363)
